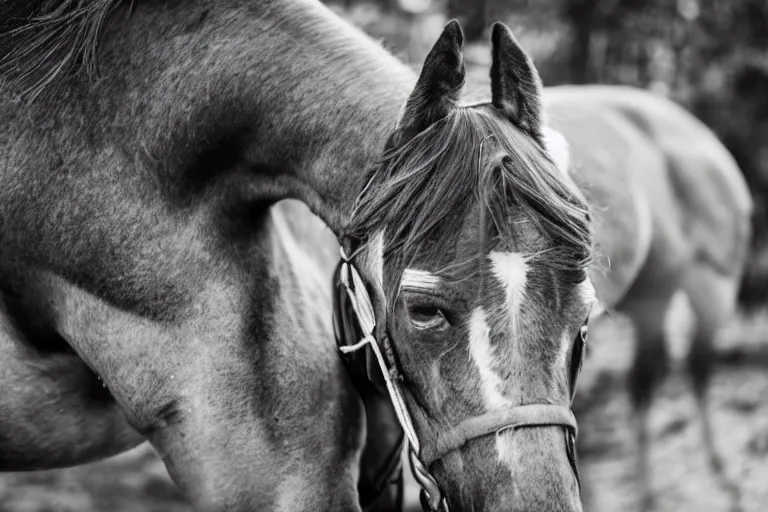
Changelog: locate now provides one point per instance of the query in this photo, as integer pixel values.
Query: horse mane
(428, 185)
(44, 41)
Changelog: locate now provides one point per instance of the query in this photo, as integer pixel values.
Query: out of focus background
(709, 55)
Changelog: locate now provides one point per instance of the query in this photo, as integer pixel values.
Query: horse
(661, 179)
(156, 287)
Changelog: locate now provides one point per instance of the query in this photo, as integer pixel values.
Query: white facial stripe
(375, 257)
(419, 279)
(557, 147)
(589, 294)
(511, 269)
(481, 353)
(505, 451)
(562, 354)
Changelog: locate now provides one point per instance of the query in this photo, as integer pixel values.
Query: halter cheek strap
(364, 311)
(361, 304)
(535, 415)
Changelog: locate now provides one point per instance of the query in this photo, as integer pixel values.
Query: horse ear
(515, 83)
(438, 87)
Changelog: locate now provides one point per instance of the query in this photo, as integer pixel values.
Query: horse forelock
(43, 42)
(421, 193)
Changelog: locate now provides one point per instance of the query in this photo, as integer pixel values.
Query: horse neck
(286, 96)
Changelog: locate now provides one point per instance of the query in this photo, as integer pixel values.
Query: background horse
(673, 219)
(150, 290)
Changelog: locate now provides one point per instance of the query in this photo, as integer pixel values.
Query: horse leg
(712, 298)
(650, 366)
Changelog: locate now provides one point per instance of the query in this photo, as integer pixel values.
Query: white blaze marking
(557, 147)
(481, 352)
(565, 345)
(419, 279)
(511, 269)
(375, 257)
(589, 295)
(482, 355)
(588, 292)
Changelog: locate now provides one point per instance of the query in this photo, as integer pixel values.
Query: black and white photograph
(383, 256)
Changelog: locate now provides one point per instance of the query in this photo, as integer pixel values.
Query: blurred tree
(580, 16)
(709, 55)
(472, 14)
(384, 4)
(477, 15)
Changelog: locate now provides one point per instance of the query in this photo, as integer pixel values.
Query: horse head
(472, 249)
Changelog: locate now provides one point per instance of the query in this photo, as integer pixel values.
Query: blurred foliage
(709, 55)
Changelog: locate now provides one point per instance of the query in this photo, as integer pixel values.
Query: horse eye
(426, 317)
(577, 357)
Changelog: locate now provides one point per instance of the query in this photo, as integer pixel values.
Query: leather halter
(352, 301)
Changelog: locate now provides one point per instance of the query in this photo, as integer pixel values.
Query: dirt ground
(681, 478)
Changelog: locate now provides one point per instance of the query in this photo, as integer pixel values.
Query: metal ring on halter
(431, 495)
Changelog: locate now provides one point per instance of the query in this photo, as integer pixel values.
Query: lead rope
(363, 308)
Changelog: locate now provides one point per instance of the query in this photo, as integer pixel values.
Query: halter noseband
(351, 292)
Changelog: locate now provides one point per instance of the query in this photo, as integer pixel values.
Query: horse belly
(53, 410)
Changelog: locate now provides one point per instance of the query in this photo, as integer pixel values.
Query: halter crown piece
(351, 285)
